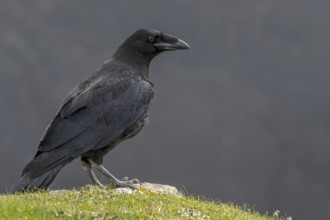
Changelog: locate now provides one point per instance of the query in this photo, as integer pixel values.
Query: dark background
(242, 117)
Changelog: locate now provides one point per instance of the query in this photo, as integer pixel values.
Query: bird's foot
(127, 183)
(100, 185)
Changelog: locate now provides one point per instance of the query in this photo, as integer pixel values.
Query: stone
(150, 188)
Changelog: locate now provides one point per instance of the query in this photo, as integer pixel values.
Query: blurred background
(243, 117)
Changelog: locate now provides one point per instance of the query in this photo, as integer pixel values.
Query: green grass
(98, 203)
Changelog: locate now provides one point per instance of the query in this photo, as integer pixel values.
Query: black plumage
(105, 109)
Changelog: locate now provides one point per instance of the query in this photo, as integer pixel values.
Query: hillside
(98, 203)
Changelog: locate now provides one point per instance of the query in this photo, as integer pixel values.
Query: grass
(98, 203)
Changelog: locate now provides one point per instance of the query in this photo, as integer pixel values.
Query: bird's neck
(134, 59)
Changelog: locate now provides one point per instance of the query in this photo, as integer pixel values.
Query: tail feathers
(40, 172)
(26, 183)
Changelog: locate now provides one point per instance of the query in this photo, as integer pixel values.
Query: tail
(41, 171)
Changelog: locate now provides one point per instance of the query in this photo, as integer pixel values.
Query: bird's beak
(169, 42)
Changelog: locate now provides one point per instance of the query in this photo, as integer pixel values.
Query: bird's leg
(114, 180)
(94, 178)
(88, 168)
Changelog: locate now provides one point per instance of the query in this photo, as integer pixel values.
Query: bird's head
(151, 42)
(145, 44)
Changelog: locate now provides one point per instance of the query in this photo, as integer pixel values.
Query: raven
(108, 107)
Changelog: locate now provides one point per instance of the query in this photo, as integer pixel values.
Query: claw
(127, 183)
(135, 181)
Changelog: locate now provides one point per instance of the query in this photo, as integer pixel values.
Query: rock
(142, 188)
(150, 188)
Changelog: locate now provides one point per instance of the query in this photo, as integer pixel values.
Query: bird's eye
(151, 39)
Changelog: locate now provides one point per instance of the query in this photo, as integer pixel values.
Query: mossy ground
(98, 203)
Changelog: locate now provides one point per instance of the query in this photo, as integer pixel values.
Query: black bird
(100, 112)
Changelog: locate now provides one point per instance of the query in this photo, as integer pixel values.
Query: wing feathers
(98, 115)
